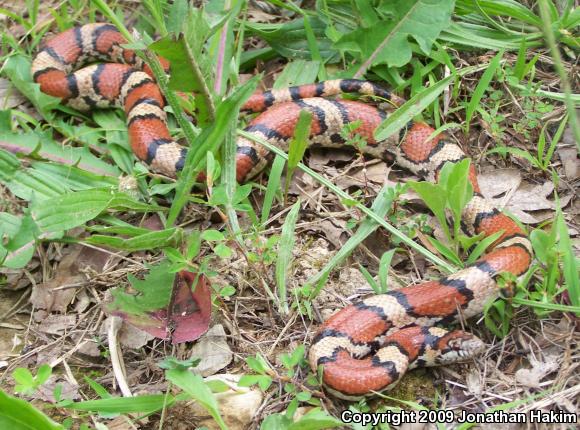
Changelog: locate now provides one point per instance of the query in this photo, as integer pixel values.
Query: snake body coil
(365, 347)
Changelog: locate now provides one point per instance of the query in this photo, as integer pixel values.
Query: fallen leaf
(185, 318)
(46, 391)
(9, 96)
(529, 203)
(332, 229)
(374, 175)
(56, 294)
(213, 350)
(570, 161)
(533, 377)
(57, 324)
(497, 182)
(320, 158)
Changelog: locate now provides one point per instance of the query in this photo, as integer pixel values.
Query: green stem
(201, 80)
(551, 42)
(551, 306)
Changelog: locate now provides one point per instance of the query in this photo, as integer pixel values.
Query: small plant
(27, 383)
(293, 363)
(543, 156)
(352, 138)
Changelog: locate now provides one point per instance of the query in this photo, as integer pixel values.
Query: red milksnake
(366, 346)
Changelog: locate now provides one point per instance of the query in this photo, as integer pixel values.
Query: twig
(116, 356)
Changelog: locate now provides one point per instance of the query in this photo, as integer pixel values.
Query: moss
(416, 386)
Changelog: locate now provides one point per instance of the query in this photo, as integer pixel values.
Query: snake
(366, 347)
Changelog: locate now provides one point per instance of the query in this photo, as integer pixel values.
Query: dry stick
(116, 355)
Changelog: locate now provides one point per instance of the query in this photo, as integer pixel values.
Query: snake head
(457, 346)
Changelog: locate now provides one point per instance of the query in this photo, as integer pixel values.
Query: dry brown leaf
(570, 161)
(213, 350)
(533, 377)
(374, 176)
(332, 229)
(129, 336)
(497, 182)
(46, 391)
(56, 324)
(529, 203)
(320, 158)
(9, 96)
(56, 294)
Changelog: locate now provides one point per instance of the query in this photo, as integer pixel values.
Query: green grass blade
(410, 109)
(273, 188)
(569, 263)
(196, 388)
(210, 139)
(284, 259)
(344, 195)
(17, 414)
(380, 207)
(145, 404)
(481, 88)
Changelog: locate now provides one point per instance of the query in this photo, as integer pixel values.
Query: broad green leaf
(24, 182)
(152, 293)
(44, 147)
(74, 209)
(455, 180)
(17, 69)
(198, 390)
(316, 419)
(290, 40)
(481, 87)
(435, 198)
(146, 241)
(17, 414)
(19, 246)
(543, 244)
(23, 376)
(183, 75)
(298, 72)
(177, 15)
(144, 404)
(389, 41)
(212, 235)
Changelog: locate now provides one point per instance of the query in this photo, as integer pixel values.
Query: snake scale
(365, 347)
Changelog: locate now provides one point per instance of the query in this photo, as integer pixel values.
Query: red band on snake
(365, 347)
